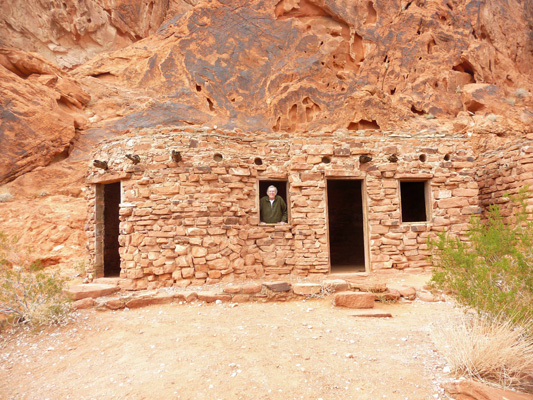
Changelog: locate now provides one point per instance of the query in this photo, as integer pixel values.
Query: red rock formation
(69, 33)
(303, 65)
(40, 111)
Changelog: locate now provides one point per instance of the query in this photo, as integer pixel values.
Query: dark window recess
(413, 195)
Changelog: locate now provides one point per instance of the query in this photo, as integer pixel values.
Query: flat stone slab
(335, 285)
(107, 281)
(372, 314)
(278, 286)
(306, 289)
(93, 290)
(210, 297)
(149, 301)
(83, 304)
(251, 288)
(354, 299)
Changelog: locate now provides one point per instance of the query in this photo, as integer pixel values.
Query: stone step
(92, 290)
(108, 281)
(354, 299)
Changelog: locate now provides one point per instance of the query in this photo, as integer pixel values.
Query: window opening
(414, 201)
(281, 186)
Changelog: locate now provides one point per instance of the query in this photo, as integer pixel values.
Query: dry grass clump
(490, 350)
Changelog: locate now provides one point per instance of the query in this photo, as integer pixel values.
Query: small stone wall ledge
(109, 178)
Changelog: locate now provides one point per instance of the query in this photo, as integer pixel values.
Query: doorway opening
(111, 256)
(346, 226)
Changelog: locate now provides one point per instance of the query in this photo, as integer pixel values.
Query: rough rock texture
(300, 65)
(259, 65)
(71, 32)
(40, 110)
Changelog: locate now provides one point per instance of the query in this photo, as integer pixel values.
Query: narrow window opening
(273, 213)
(414, 201)
(258, 161)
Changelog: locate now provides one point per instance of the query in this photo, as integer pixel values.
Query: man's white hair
(272, 186)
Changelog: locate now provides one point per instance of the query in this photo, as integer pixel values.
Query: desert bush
(487, 349)
(491, 272)
(28, 295)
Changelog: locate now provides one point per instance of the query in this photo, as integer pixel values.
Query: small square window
(414, 201)
(273, 212)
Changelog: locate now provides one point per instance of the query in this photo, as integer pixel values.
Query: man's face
(271, 193)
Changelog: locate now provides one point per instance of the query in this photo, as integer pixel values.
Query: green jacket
(272, 214)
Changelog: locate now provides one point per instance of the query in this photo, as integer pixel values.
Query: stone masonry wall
(505, 171)
(196, 221)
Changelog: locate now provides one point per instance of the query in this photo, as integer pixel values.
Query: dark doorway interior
(280, 185)
(346, 231)
(111, 229)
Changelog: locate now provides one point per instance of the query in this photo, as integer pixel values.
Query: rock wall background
(74, 72)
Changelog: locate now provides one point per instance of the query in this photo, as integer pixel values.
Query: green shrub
(27, 294)
(492, 272)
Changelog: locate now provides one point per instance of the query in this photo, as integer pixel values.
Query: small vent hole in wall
(218, 157)
(447, 157)
(258, 161)
(326, 160)
(422, 157)
(211, 106)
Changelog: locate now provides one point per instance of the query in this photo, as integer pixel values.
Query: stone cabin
(179, 206)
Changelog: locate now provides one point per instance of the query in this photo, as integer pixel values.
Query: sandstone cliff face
(298, 65)
(40, 109)
(102, 67)
(282, 66)
(69, 33)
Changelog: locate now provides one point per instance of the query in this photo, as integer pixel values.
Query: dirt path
(295, 350)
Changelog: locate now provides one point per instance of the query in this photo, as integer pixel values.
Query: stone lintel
(109, 178)
(413, 176)
(344, 173)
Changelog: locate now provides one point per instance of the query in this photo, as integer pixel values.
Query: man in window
(273, 209)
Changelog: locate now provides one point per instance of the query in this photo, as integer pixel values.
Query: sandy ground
(295, 350)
